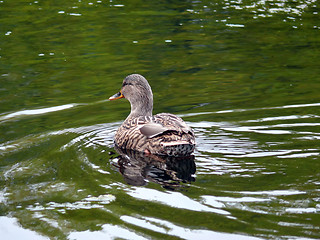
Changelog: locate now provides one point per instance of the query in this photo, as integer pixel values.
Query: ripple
(283, 118)
(89, 136)
(213, 200)
(37, 111)
(305, 105)
(300, 155)
(172, 199)
(108, 231)
(11, 229)
(169, 228)
(264, 154)
(275, 192)
(87, 203)
(302, 210)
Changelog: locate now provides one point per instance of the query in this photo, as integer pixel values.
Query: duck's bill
(116, 96)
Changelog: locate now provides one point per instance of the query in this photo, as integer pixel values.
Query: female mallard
(163, 134)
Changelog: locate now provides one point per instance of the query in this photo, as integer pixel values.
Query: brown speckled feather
(178, 139)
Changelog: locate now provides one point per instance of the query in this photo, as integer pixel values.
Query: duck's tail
(178, 148)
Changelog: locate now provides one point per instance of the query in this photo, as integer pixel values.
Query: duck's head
(137, 90)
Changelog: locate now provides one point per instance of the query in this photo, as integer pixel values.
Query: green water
(243, 74)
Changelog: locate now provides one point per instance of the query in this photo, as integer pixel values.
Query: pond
(243, 74)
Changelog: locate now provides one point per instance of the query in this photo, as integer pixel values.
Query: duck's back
(164, 134)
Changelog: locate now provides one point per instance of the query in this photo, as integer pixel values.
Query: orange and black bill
(116, 96)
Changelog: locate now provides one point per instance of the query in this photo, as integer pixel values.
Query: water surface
(242, 74)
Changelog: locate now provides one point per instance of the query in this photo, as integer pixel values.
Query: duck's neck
(141, 107)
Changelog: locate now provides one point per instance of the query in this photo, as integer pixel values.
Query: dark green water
(243, 74)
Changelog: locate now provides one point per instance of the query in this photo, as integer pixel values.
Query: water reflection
(138, 169)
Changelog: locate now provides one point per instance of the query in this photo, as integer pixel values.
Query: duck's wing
(152, 129)
(164, 122)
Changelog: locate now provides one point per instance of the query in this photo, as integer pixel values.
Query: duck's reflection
(139, 168)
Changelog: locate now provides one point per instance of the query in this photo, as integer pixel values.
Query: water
(242, 74)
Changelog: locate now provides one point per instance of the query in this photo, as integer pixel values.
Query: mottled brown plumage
(163, 134)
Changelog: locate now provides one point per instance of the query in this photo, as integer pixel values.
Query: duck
(160, 134)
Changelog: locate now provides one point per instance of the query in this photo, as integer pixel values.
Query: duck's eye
(125, 84)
